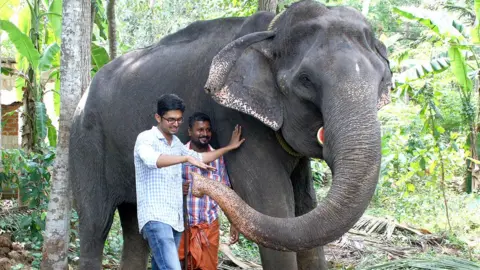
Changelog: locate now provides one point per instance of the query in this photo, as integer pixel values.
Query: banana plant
(458, 40)
(36, 37)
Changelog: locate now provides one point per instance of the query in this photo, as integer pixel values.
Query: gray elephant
(310, 72)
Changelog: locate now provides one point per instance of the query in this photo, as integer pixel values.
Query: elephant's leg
(273, 259)
(262, 179)
(135, 248)
(305, 200)
(274, 199)
(94, 224)
(93, 202)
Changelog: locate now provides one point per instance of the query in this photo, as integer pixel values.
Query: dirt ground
(12, 253)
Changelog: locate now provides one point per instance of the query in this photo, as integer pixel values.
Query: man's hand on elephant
(200, 164)
(234, 235)
(236, 139)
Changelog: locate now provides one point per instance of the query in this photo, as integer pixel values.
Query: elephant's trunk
(354, 158)
(223, 62)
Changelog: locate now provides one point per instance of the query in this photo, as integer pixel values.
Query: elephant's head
(316, 70)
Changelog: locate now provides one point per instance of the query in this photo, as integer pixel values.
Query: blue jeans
(163, 241)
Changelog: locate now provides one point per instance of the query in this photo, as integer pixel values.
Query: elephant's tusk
(320, 136)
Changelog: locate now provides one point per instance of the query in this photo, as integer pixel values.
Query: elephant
(306, 83)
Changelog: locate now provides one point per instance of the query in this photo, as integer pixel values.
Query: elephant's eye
(305, 81)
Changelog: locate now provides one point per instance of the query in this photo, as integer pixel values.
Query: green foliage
(41, 120)
(453, 37)
(142, 23)
(30, 173)
(22, 42)
(114, 244)
(423, 70)
(245, 249)
(52, 133)
(47, 60)
(55, 18)
(322, 178)
(239, 8)
(410, 185)
(438, 22)
(100, 57)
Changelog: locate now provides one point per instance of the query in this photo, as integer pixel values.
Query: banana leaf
(22, 42)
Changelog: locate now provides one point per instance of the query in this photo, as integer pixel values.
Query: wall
(10, 130)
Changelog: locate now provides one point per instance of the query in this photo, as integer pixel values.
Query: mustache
(206, 137)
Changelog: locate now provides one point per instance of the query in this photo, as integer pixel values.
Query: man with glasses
(158, 156)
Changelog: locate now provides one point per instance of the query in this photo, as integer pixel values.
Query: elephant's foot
(276, 260)
(135, 248)
(90, 263)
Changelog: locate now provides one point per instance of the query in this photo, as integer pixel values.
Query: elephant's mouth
(320, 136)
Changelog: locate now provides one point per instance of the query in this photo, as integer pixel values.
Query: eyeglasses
(173, 120)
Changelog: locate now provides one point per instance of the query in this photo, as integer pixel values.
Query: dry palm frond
(225, 249)
(440, 263)
(385, 226)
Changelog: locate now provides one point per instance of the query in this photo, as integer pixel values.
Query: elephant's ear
(247, 83)
(386, 83)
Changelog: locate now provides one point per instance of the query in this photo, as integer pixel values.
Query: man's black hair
(169, 102)
(198, 116)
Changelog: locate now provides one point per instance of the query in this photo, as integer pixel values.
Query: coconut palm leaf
(440, 263)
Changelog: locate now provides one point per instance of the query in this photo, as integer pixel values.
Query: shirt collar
(158, 133)
(161, 137)
(210, 148)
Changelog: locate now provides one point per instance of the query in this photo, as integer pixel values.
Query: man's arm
(235, 142)
(154, 159)
(167, 160)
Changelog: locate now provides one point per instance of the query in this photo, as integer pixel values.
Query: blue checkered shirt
(159, 190)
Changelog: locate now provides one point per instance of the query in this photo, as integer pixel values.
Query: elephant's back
(121, 100)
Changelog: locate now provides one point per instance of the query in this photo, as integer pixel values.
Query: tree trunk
(28, 116)
(30, 91)
(112, 29)
(267, 5)
(75, 77)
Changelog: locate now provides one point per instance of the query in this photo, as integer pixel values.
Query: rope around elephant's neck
(286, 146)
